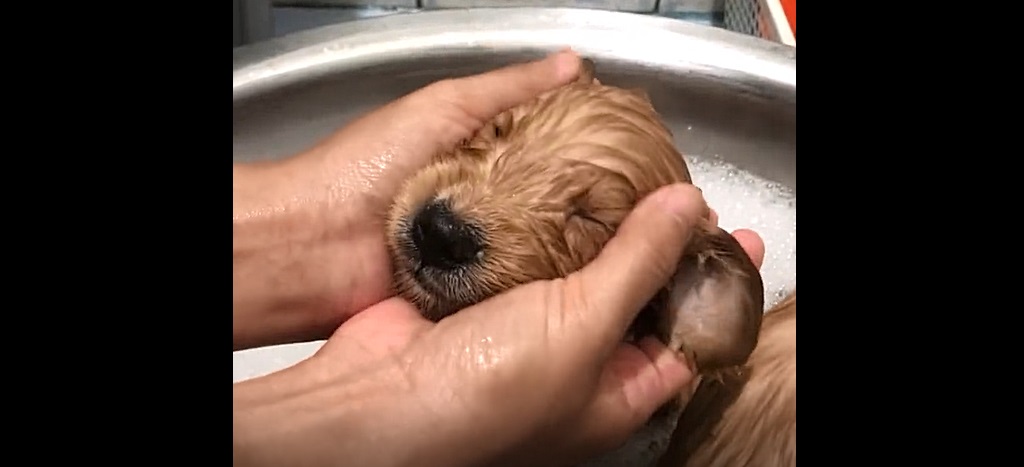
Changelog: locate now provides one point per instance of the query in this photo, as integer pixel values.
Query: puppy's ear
(715, 303)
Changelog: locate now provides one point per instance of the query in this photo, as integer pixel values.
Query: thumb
(640, 259)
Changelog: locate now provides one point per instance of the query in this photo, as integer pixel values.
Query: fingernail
(561, 53)
(676, 371)
(673, 366)
(567, 65)
(686, 360)
(682, 200)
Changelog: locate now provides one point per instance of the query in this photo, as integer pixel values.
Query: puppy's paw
(716, 303)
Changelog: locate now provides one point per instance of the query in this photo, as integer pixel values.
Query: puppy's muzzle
(443, 239)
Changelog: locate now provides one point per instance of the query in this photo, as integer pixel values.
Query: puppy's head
(534, 195)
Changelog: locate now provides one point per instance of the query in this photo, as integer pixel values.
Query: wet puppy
(539, 191)
(747, 417)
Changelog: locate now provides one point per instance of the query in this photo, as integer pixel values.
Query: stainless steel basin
(723, 94)
(736, 93)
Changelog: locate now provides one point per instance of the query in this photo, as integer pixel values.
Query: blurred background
(257, 20)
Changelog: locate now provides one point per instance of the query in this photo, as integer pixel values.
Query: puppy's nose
(443, 240)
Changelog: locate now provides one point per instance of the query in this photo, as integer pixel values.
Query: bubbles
(746, 201)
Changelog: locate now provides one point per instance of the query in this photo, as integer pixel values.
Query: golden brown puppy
(748, 416)
(539, 191)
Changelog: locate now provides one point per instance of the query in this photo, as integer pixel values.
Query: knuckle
(446, 89)
(572, 300)
(655, 259)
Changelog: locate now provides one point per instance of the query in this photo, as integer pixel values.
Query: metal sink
(722, 92)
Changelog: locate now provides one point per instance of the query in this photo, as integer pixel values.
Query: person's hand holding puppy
(535, 376)
(309, 248)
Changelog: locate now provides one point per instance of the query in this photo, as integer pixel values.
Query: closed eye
(583, 214)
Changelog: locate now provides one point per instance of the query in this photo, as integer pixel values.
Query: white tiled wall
(293, 15)
(690, 6)
(668, 6)
(348, 3)
(639, 6)
(289, 16)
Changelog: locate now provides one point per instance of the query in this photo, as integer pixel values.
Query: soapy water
(741, 199)
(746, 201)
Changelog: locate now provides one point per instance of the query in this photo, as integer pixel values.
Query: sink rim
(724, 56)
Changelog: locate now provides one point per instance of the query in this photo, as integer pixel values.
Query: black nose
(443, 240)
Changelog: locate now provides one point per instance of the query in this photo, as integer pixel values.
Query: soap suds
(746, 201)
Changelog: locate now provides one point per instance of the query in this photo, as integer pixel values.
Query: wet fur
(545, 185)
(748, 416)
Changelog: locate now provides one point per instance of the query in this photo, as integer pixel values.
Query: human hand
(309, 248)
(538, 375)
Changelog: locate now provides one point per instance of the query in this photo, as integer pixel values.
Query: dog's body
(538, 192)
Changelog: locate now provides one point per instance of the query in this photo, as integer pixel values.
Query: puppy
(747, 417)
(539, 191)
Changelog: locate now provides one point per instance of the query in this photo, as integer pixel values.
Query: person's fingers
(636, 263)
(636, 382)
(486, 95)
(653, 381)
(752, 244)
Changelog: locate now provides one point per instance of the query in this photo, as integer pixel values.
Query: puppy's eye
(581, 212)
